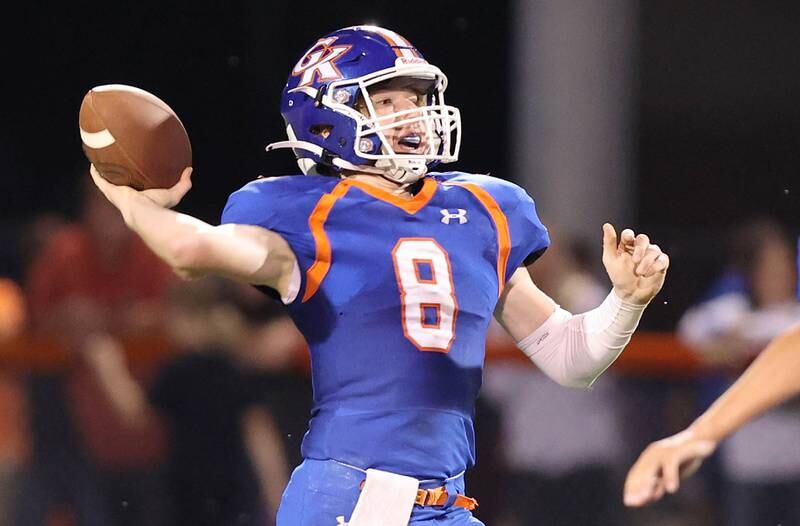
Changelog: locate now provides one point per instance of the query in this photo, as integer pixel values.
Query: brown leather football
(133, 138)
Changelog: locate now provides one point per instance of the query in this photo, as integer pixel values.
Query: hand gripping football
(133, 138)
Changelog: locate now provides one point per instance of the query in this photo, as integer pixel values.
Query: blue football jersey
(395, 301)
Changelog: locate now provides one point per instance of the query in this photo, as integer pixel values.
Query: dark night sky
(719, 130)
(221, 66)
(718, 88)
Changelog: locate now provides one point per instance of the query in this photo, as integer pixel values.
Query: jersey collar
(410, 205)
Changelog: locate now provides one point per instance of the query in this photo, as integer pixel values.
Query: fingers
(671, 474)
(641, 244)
(626, 241)
(661, 467)
(609, 240)
(644, 483)
(169, 197)
(643, 479)
(648, 259)
(104, 186)
(185, 182)
(181, 187)
(683, 462)
(644, 492)
(661, 264)
(658, 491)
(96, 177)
(653, 262)
(186, 175)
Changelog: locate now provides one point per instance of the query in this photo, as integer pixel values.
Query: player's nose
(404, 105)
(404, 115)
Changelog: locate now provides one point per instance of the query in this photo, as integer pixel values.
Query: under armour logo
(460, 214)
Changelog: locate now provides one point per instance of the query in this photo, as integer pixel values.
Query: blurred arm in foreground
(771, 379)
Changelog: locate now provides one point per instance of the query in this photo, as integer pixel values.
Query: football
(133, 138)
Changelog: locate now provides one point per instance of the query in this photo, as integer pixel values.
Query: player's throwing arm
(193, 247)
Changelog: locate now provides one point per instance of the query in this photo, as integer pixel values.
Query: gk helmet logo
(319, 62)
(460, 214)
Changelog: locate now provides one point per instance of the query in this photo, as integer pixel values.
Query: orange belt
(438, 497)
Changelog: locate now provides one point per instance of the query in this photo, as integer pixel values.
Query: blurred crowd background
(129, 397)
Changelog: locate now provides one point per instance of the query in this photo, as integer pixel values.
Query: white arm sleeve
(574, 350)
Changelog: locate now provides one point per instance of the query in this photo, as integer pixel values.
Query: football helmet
(332, 124)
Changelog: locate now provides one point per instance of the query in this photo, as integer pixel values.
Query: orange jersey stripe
(411, 205)
(316, 222)
(501, 225)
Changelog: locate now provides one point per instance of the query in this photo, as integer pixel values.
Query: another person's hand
(636, 267)
(663, 464)
(164, 197)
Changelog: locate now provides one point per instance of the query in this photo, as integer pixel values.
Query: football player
(770, 380)
(392, 272)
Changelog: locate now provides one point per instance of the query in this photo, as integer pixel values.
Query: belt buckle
(432, 497)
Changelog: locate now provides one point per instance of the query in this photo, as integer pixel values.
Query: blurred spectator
(278, 365)
(94, 275)
(750, 304)
(562, 445)
(226, 464)
(12, 310)
(12, 430)
(13, 443)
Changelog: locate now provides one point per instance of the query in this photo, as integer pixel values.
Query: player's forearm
(166, 232)
(771, 379)
(193, 247)
(574, 350)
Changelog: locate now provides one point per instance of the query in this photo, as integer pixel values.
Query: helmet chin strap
(403, 172)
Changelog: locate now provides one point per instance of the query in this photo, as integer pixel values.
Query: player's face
(407, 138)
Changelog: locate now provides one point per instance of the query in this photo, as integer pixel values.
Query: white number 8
(428, 300)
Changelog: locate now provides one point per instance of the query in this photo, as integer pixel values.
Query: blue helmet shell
(347, 54)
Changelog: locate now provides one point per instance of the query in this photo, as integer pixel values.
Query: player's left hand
(636, 267)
